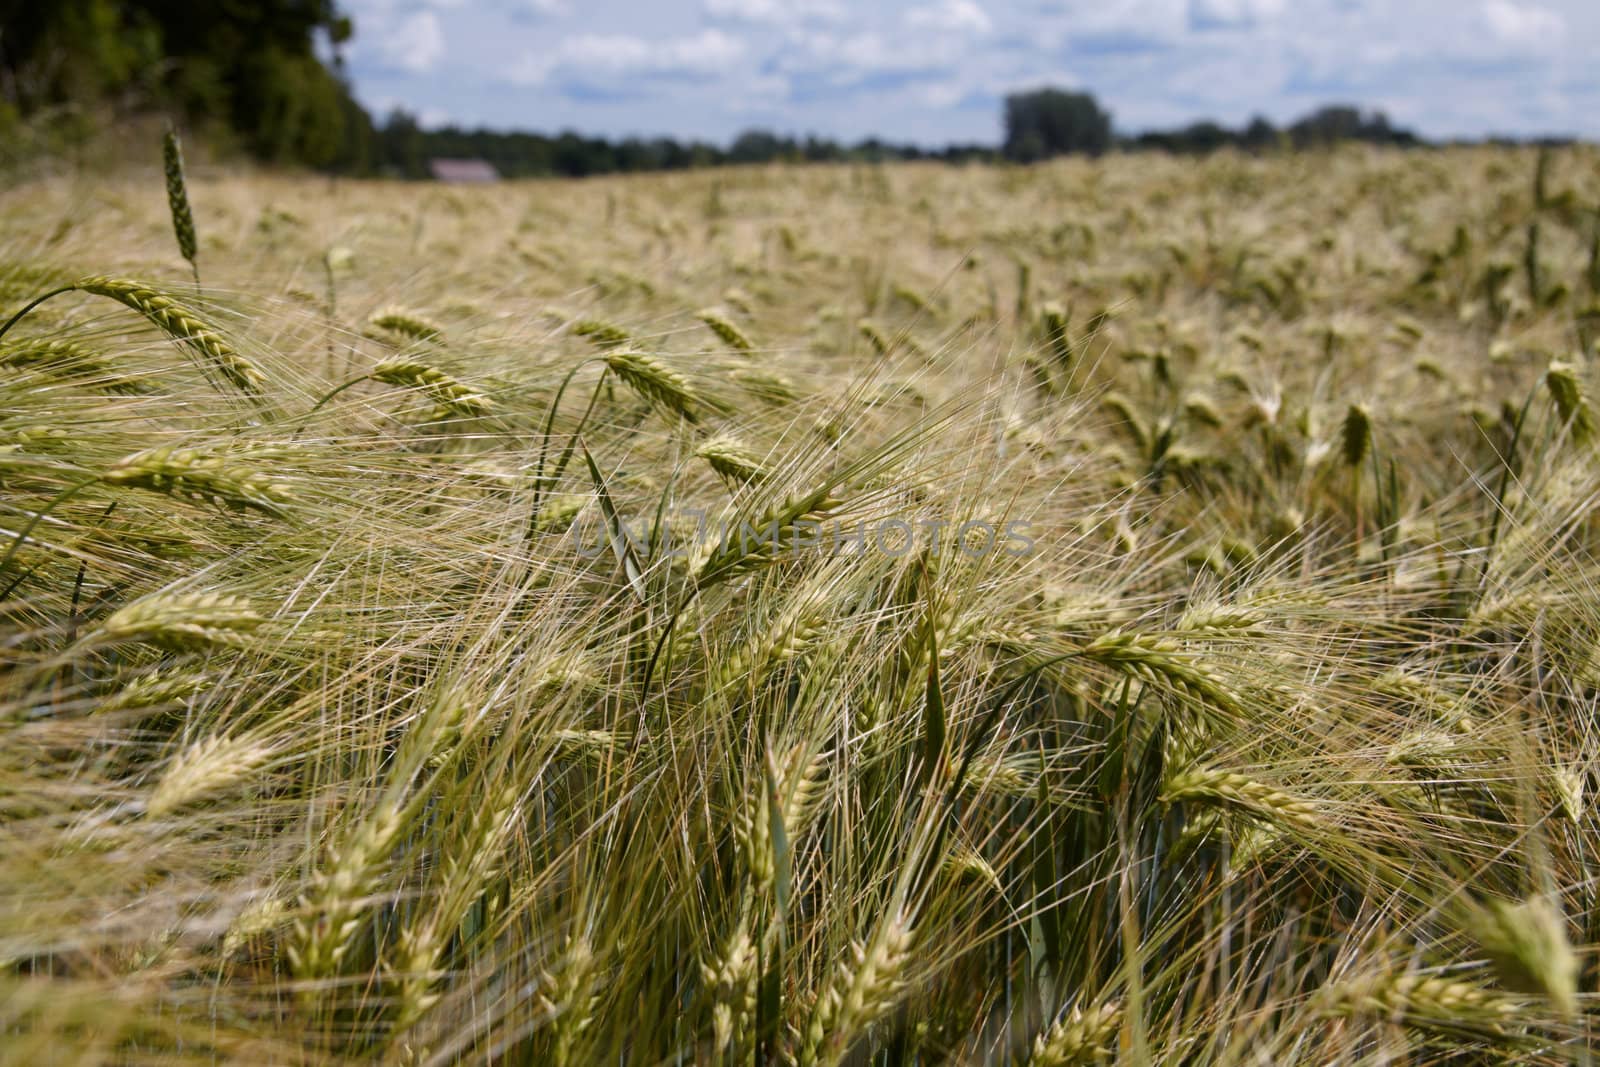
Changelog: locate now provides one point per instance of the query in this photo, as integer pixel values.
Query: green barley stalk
(1527, 943)
(204, 769)
(1153, 659)
(730, 980)
(1423, 1001)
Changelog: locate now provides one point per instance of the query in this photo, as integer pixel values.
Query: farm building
(462, 170)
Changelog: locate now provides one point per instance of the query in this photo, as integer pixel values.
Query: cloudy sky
(935, 71)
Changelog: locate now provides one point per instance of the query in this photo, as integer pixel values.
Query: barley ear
(1355, 436)
(655, 382)
(178, 200)
(1527, 943)
(726, 331)
(1080, 1038)
(181, 324)
(1572, 405)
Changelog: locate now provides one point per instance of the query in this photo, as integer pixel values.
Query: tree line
(267, 77)
(1038, 125)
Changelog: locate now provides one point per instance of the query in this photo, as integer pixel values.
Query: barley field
(1134, 611)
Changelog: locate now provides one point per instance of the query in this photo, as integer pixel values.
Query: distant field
(1141, 610)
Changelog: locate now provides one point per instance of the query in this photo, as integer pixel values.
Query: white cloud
(548, 9)
(950, 16)
(1516, 24)
(849, 57)
(413, 44)
(1234, 12)
(706, 53)
(775, 12)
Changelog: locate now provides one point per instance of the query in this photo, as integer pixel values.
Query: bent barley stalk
(1423, 1001)
(183, 325)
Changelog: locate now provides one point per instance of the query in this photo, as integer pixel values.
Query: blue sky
(935, 71)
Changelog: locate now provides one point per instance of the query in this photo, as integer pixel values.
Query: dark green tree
(249, 68)
(1052, 122)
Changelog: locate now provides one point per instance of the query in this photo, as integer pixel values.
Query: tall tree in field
(1052, 122)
